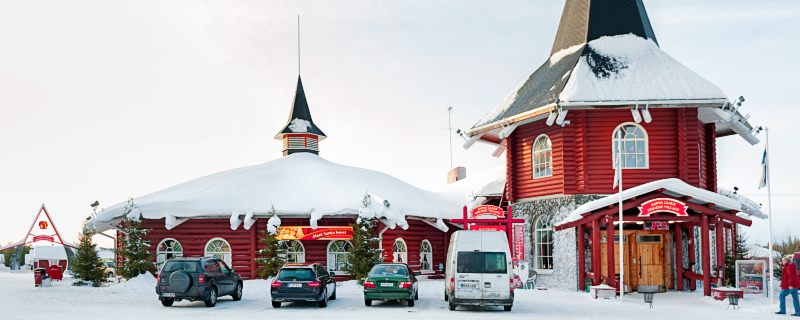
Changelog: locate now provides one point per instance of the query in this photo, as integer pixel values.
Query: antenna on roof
(298, 44)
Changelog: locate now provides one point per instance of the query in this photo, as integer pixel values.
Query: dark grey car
(197, 279)
(303, 282)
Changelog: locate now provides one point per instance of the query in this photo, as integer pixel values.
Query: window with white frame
(339, 255)
(426, 256)
(219, 248)
(630, 141)
(295, 252)
(543, 243)
(400, 251)
(167, 249)
(542, 157)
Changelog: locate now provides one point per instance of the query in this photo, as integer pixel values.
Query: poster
(320, 233)
(519, 241)
(751, 276)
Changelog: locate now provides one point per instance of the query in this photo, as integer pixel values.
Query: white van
(479, 271)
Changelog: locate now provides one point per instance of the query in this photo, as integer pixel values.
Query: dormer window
(634, 146)
(542, 157)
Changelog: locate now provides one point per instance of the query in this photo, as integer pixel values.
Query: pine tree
(739, 252)
(134, 249)
(272, 257)
(365, 252)
(87, 264)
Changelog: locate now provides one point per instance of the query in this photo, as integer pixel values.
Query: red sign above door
(487, 211)
(663, 205)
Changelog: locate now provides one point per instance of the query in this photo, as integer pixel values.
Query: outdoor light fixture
(635, 113)
(646, 114)
(562, 114)
(550, 118)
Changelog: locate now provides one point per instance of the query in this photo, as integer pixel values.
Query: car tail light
(405, 285)
(276, 284)
(369, 285)
(452, 284)
(511, 285)
(158, 278)
(201, 279)
(314, 284)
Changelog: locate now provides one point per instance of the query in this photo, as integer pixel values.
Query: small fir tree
(739, 252)
(365, 252)
(133, 248)
(87, 264)
(272, 256)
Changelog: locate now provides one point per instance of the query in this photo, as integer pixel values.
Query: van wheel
(276, 304)
(411, 302)
(451, 306)
(211, 300)
(367, 302)
(506, 308)
(167, 302)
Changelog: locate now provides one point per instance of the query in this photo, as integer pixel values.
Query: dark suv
(196, 278)
(303, 282)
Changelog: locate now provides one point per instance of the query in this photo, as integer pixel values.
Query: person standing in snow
(789, 285)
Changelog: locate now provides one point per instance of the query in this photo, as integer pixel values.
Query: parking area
(137, 300)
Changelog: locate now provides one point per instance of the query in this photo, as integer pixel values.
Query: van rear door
(468, 278)
(495, 280)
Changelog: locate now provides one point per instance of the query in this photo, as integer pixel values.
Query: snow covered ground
(137, 300)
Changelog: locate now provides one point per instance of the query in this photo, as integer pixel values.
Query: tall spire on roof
(300, 134)
(586, 20)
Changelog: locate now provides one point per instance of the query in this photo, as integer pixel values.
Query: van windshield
(481, 262)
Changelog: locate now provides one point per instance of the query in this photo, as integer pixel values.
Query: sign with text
(519, 241)
(667, 205)
(487, 211)
(751, 276)
(478, 227)
(320, 233)
(656, 225)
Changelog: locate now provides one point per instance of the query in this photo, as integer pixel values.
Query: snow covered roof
(300, 118)
(300, 184)
(54, 252)
(671, 186)
(476, 189)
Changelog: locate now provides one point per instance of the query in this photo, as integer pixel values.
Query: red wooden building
(608, 88)
(225, 214)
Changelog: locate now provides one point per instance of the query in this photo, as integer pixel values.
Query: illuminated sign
(476, 227)
(320, 233)
(43, 224)
(663, 205)
(487, 211)
(43, 238)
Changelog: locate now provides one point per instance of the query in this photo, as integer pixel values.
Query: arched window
(542, 157)
(220, 249)
(426, 256)
(167, 249)
(295, 252)
(634, 146)
(338, 255)
(543, 243)
(400, 251)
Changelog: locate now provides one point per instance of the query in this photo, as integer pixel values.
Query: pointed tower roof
(300, 118)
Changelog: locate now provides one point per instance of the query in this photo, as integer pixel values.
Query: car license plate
(295, 285)
(387, 284)
(468, 285)
(168, 295)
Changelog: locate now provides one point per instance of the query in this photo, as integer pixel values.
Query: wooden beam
(706, 257)
(692, 250)
(610, 274)
(596, 251)
(679, 255)
(581, 258)
(721, 214)
(720, 249)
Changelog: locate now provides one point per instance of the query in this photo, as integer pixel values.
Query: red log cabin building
(225, 214)
(607, 88)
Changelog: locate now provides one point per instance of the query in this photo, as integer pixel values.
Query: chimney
(456, 174)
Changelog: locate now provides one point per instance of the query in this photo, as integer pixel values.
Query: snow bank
(299, 125)
(630, 68)
(142, 282)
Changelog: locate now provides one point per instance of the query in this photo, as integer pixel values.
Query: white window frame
(424, 254)
(548, 161)
(333, 257)
(164, 255)
(625, 141)
(537, 254)
(400, 256)
(299, 256)
(222, 255)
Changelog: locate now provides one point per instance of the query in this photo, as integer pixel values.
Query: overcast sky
(105, 100)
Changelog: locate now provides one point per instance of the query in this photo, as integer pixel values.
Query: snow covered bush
(271, 258)
(365, 252)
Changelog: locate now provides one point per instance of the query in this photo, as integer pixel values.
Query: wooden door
(627, 253)
(652, 260)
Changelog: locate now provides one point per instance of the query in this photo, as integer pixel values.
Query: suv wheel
(237, 294)
(506, 308)
(167, 302)
(211, 300)
(324, 302)
(276, 304)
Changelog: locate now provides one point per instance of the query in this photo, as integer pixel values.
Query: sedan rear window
(388, 270)
(481, 262)
(296, 274)
(172, 266)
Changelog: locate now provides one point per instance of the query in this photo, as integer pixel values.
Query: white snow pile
(273, 223)
(299, 125)
(380, 208)
(297, 184)
(142, 282)
(748, 205)
(631, 68)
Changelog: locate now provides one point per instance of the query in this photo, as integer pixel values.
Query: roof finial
(298, 44)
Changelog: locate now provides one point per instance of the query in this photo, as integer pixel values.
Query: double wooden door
(646, 261)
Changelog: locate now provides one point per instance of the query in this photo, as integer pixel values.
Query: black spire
(586, 20)
(300, 111)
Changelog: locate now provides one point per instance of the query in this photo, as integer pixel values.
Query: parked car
(303, 282)
(391, 281)
(197, 279)
(479, 271)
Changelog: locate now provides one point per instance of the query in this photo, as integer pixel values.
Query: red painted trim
(581, 258)
(704, 229)
(596, 251)
(720, 248)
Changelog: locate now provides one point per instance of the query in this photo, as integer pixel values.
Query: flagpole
(769, 219)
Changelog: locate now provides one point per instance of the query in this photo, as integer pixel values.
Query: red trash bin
(55, 272)
(37, 277)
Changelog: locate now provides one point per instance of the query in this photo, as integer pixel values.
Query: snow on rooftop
(299, 125)
(631, 68)
(54, 252)
(297, 184)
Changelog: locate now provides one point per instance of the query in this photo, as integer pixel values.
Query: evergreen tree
(739, 252)
(87, 264)
(133, 248)
(365, 252)
(272, 257)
